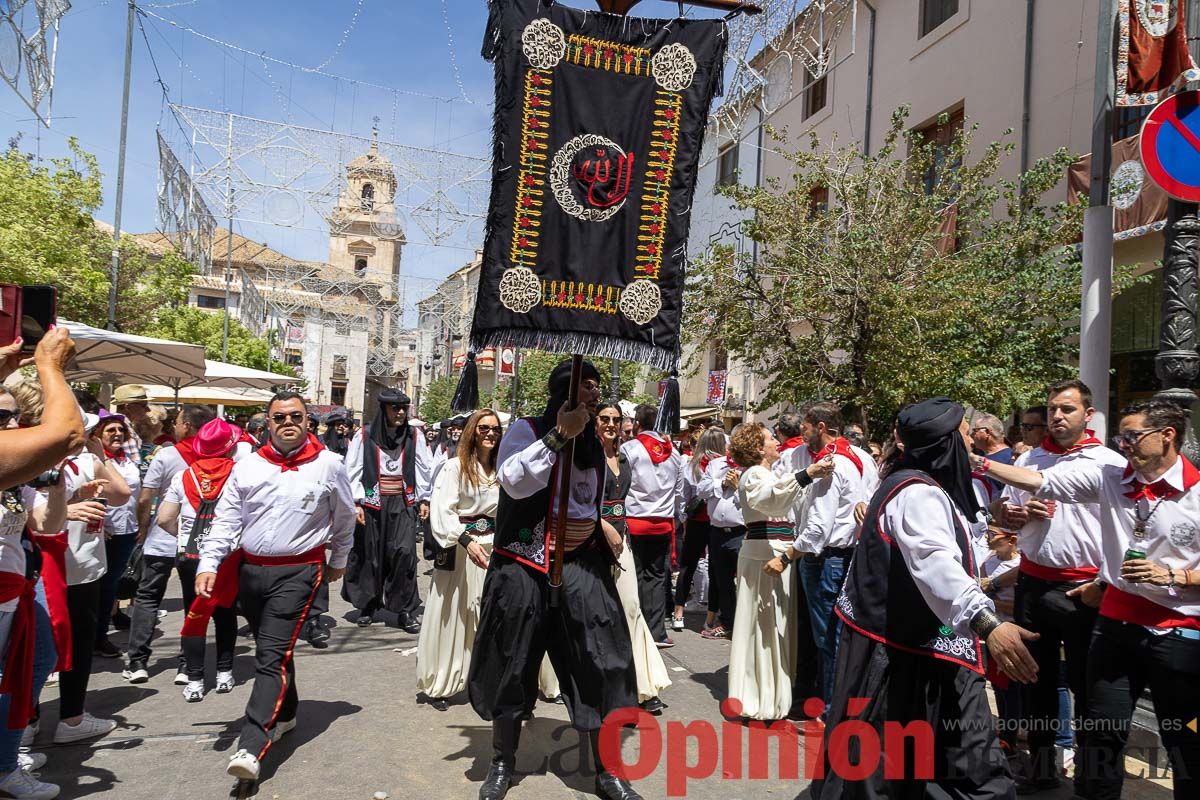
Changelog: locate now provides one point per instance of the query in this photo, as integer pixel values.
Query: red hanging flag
(1153, 60)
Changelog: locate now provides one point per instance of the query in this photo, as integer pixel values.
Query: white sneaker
(31, 732)
(52, 679)
(135, 674)
(88, 728)
(282, 727)
(194, 691)
(23, 786)
(677, 623)
(31, 762)
(225, 682)
(244, 766)
(181, 678)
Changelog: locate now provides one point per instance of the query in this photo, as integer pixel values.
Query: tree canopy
(913, 272)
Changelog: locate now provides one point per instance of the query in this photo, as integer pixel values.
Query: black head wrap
(589, 452)
(333, 440)
(397, 442)
(383, 434)
(934, 445)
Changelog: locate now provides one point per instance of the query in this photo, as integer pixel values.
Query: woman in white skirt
(652, 675)
(462, 515)
(762, 659)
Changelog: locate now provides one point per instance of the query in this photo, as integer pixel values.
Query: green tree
(196, 326)
(48, 235)
(534, 372)
(914, 272)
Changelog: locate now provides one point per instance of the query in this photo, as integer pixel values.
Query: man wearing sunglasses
(292, 505)
(1061, 553)
(1148, 630)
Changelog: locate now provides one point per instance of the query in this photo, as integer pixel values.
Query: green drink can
(1134, 555)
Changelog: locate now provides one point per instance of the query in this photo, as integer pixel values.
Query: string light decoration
(183, 216)
(28, 45)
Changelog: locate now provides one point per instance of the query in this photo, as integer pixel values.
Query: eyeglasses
(609, 420)
(1131, 438)
(295, 416)
(7, 416)
(484, 430)
(1025, 426)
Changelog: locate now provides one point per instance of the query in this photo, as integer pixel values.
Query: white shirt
(282, 513)
(765, 496)
(86, 558)
(1171, 537)
(422, 470)
(454, 498)
(827, 513)
(163, 469)
(724, 504)
(525, 464)
(920, 520)
(691, 483)
(993, 568)
(122, 520)
(12, 525)
(1071, 538)
(655, 490)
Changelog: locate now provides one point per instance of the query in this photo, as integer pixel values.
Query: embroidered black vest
(522, 529)
(880, 599)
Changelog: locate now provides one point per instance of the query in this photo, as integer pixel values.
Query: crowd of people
(905, 574)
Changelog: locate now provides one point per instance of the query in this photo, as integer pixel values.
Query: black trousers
(807, 682)
(695, 542)
(224, 621)
(1043, 607)
(82, 601)
(723, 547)
(116, 552)
(1124, 661)
(382, 569)
(276, 601)
(652, 565)
(156, 571)
(320, 604)
(586, 638)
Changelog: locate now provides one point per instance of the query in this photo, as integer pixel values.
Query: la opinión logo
(855, 749)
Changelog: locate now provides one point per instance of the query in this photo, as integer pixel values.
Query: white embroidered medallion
(674, 66)
(641, 301)
(543, 44)
(520, 289)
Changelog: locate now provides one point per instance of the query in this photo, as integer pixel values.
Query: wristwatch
(554, 440)
(785, 558)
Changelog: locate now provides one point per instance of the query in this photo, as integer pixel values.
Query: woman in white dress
(762, 659)
(462, 522)
(652, 675)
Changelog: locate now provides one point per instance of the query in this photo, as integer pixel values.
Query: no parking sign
(1170, 146)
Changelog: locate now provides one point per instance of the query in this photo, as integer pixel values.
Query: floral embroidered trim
(597, 53)
(660, 167)
(1125, 98)
(531, 192)
(581, 296)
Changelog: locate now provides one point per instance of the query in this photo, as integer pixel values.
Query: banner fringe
(574, 342)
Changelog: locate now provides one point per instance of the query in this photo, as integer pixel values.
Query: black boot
(608, 785)
(506, 735)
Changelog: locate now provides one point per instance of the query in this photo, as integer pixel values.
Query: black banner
(598, 125)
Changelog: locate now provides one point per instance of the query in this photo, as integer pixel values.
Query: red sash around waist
(54, 581)
(314, 556)
(18, 665)
(1134, 608)
(1057, 574)
(650, 526)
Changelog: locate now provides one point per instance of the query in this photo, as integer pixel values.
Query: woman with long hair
(462, 519)
(709, 445)
(652, 675)
(120, 527)
(762, 660)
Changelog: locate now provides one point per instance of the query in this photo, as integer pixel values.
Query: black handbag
(127, 585)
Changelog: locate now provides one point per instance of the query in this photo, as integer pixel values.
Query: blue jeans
(1065, 735)
(44, 658)
(822, 580)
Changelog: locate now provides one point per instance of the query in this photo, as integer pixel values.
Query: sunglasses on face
(7, 416)
(1132, 438)
(295, 416)
(484, 430)
(609, 420)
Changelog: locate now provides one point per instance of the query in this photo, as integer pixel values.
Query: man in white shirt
(826, 530)
(651, 509)
(1060, 559)
(1148, 631)
(290, 503)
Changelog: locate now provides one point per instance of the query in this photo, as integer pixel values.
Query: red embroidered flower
(652, 249)
(536, 79)
(526, 202)
(608, 54)
(664, 154)
(522, 242)
(628, 59)
(532, 144)
(659, 176)
(523, 222)
(666, 134)
(656, 208)
(655, 228)
(588, 50)
(669, 113)
(579, 297)
(562, 297)
(535, 101)
(529, 180)
(598, 301)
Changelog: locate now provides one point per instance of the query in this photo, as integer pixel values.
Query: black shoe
(496, 784)
(653, 706)
(364, 621)
(1027, 786)
(317, 636)
(440, 703)
(121, 621)
(610, 787)
(527, 715)
(107, 649)
(410, 624)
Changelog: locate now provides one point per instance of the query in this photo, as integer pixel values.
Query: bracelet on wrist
(785, 558)
(465, 539)
(984, 623)
(984, 466)
(803, 478)
(554, 440)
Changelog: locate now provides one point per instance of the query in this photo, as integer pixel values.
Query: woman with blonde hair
(462, 519)
(762, 659)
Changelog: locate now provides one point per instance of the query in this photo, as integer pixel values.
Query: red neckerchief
(1089, 440)
(659, 451)
(301, 455)
(118, 456)
(1160, 489)
(792, 444)
(164, 439)
(704, 461)
(838, 447)
(187, 449)
(208, 476)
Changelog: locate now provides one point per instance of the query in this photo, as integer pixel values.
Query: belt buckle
(1187, 633)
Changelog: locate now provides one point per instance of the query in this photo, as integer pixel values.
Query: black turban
(934, 445)
(381, 433)
(589, 452)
